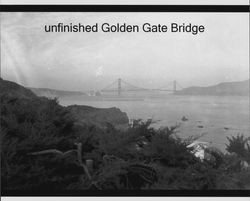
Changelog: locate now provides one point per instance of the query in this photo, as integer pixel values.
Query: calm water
(215, 117)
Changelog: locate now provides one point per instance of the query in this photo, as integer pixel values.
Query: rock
(100, 117)
(184, 118)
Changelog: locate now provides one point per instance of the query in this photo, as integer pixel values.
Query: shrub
(239, 145)
(29, 125)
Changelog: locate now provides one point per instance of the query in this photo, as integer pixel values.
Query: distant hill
(55, 93)
(14, 90)
(223, 89)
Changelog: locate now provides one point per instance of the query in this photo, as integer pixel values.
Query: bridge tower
(119, 86)
(174, 87)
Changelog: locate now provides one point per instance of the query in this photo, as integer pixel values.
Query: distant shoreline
(221, 89)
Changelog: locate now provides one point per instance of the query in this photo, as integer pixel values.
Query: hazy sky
(80, 61)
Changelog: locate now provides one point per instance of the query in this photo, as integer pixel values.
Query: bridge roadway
(123, 90)
(117, 87)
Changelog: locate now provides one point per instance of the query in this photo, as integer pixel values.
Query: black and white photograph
(109, 102)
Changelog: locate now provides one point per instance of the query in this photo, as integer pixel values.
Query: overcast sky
(81, 61)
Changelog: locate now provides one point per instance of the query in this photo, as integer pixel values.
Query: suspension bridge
(119, 86)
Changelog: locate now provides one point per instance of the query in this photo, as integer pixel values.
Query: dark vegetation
(137, 158)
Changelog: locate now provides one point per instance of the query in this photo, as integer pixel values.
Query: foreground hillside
(46, 149)
(9, 88)
(222, 89)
